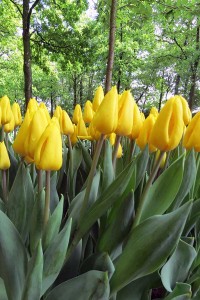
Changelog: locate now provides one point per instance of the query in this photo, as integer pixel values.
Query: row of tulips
(103, 205)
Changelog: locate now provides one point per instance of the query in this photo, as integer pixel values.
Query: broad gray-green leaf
(149, 245)
(53, 225)
(91, 285)
(13, 262)
(141, 165)
(3, 294)
(33, 283)
(54, 256)
(159, 196)
(108, 171)
(53, 192)
(182, 291)
(177, 267)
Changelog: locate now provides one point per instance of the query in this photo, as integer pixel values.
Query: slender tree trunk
(161, 92)
(176, 89)
(110, 61)
(120, 60)
(81, 92)
(75, 90)
(27, 52)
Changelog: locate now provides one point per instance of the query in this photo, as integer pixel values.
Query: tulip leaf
(108, 171)
(86, 156)
(177, 267)
(21, 201)
(54, 256)
(193, 216)
(118, 224)
(100, 262)
(3, 295)
(37, 220)
(53, 225)
(148, 246)
(13, 258)
(182, 291)
(160, 196)
(91, 285)
(33, 283)
(141, 165)
(122, 185)
(54, 198)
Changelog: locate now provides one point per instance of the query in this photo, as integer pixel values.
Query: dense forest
(56, 52)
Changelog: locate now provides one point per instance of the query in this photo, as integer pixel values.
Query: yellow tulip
(32, 106)
(8, 127)
(65, 122)
(88, 112)
(154, 111)
(106, 117)
(73, 136)
(125, 114)
(112, 138)
(162, 163)
(77, 114)
(5, 110)
(48, 153)
(98, 97)
(191, 138)
(81, 128)
(137, 122)
(95, 135)
(58, 112)
(17, 114)
(187, 115)
(145, 132)
(4, 158)
(119, 151)
(168, 129)
(45, 110)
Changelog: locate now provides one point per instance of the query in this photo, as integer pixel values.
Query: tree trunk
(81, 92)
(178, 78)
(27, 52)
(75, 90)
(110, 61)
(120, 60)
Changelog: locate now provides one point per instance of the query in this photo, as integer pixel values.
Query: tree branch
(30, 11)
(17, 6)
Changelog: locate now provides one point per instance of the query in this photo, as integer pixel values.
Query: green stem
(146, 189)
(2, 133)
(117, 142)
(91, 176)
(132, 149)
(4, 186)
(40, 183)
(47, 198)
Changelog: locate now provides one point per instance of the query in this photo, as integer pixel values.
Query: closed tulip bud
(88, 112)
(98, 97)
(11, 125)
(137, 122)
(77, 115)
(58, 112)
(32, 106)
(45, 110)
(93, 132)
(187, 115)
(119, 151)
(18, 144)
(17, 114)
(106, 118)
(48, 153)
(125, 114)
(66, 125)
(162, 163)
(81, 128)
(145, 132)
(73, 136)
(36, 128)
(6, 113)
(168, 129)
(191, 138)
(4, 158)
(154, 112)
(112, 138)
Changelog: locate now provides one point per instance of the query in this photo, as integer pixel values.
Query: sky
(91, 12)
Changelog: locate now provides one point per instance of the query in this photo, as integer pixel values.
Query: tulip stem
(117, 142)
(2, 133)
(47, 197)
(146, 189)
(4, 186)
(91, 175)
(40, 184)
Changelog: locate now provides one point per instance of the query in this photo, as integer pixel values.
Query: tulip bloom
(95, 135)
(65, 122)
(187, 115)
(88, 112)
(81, 128)
(4, 158)
(8, 127)
(125, 114)
(48, 152)
(77, 114)
(5, 110)
(17, 114)
(145, 132)
(168, 129)
(98, 97)
(137, 122)
(191, 137)
(119, 151)
(32, 106)
(106, 117)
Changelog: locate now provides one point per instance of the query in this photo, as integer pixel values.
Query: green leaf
(118, 225)
(193, 216)
(21, 201)
(182, 291)
(163, 191)
(99, 262)
(91, 285)
(177, 267)
(86, 156)
(33, 283)
(149, 245)
(53, 225)
(3, 295)
(108, 171)
(54, 256)
(13, 258)
(141, 165)
(53, 192)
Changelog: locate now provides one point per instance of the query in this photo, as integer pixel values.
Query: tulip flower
(81, 128)
(77, 114)
(95, 135)
(162, 163)
(125, 114)
(187, 115)
(106, 117)
(32, 106)
(154, 111)
(137, 122)
(98, 98)
(66, 125)
(119, 151)
(4, 158)
(58, 112)
(45, 110)
(145, 132)
(88, 112)
(6, 115)
(17, 114)
(191, 138)
(10, 126)
(73, 136)
(48, 152)
(168, 129)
